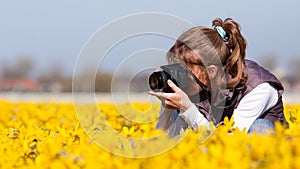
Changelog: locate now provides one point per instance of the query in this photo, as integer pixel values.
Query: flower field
(49, 135)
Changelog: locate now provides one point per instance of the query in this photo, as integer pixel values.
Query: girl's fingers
(157, 94)
(173, 86)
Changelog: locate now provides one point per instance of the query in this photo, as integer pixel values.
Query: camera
(175, 72)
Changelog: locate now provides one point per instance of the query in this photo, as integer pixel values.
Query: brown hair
(208, 44)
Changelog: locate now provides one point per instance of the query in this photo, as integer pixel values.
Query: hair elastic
(222, 33)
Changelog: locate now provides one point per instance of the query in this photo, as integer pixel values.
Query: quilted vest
(231, 98)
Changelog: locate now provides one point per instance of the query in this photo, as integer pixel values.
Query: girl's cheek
(193, 88)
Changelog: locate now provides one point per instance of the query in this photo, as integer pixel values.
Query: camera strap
(202, 85)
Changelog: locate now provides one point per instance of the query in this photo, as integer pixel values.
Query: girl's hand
(177, 100)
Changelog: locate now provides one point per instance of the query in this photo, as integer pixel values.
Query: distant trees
(294, 72)
(54, 80)
(93, 81)
(16, 75)
(103, 82)
(290, 77)
(21, 68)
(295, 68)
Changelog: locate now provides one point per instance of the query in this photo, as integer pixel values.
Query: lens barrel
(158, 80)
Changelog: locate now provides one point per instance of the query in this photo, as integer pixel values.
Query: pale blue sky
(56, 30)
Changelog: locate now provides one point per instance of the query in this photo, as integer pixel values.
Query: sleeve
(254, 104)
(194, 118)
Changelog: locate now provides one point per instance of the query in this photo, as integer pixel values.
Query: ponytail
(234, 62)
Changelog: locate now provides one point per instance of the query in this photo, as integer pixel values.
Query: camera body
(175, 72)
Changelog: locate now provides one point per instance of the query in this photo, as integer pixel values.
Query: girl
(235, 86)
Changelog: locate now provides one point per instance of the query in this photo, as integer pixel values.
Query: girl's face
(194, 63)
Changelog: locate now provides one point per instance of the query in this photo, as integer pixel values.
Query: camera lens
(158, 80)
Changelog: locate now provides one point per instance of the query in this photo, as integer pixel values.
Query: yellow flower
(49, 135)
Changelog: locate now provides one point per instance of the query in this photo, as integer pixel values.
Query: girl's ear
(212, 71)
